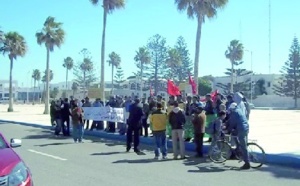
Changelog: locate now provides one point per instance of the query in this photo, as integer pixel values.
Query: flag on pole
(173, 90)
(151, 91)
(193, 84)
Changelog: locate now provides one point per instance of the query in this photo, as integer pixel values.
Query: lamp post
(251, 76)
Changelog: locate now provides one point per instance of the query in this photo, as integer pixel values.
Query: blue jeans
(58, 126)
(78, 132)
(243, 140)
(161, 143)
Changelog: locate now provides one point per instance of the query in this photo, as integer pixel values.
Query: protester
(65, 112)
(159, 122)
(177, 121)
(98, 125)
(77, 122)
(134, 125)
(146, 112)
(209, 111)
(111, 125)
(52, 113)
(58, 118)
(87, 103)
(198, 121)
(239, 123)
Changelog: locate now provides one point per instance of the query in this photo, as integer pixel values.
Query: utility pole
(270, 55)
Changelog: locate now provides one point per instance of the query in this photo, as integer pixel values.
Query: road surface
(60, 162)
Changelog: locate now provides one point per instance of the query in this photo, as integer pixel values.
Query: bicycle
(222, 150)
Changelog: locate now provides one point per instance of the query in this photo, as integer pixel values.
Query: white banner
(104, 114)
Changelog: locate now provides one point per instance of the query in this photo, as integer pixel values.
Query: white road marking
(48, 155)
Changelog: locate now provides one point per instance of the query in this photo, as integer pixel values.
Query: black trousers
(111, 127)
(136, 138)
(66, 128)
(145, 127)
(198, 139)
(87, 124)
(99, 125)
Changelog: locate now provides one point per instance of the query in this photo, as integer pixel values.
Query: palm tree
(142, 58)
(200, 9)
(36, 75)
(234, 53)
(68, 64)
(52, 35)
(114, 61)
(108, 7)
(14, 45)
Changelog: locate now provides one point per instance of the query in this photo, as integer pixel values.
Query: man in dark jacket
(134, 125)
(177, 121)
(65, 113)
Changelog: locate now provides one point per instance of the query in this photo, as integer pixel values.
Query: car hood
(8, 160)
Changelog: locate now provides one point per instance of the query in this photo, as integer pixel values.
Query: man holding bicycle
(238, 123)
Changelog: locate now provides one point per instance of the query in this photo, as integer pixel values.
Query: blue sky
(130, 28)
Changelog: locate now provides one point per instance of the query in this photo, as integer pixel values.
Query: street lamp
(251, 76)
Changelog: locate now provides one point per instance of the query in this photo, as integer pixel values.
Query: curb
(284, 159)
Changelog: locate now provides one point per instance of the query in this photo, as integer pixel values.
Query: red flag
(151, 91)
(173, 90)
(193, 84)
(214, 95)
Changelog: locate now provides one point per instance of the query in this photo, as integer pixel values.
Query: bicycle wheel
(257, 155)
(220, 152)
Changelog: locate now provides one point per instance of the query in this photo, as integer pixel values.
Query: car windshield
(2, 143)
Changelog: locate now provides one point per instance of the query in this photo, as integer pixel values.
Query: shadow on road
(106, 153)
(281, 172)
(141, 161)
(53, 144)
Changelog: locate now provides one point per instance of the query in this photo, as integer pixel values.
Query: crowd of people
(180, 118)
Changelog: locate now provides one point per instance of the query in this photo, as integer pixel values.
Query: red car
(13, 171)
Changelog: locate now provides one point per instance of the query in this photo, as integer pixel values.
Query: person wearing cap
(158, 120)
(238, 122)
(134, 125)
(198, 121)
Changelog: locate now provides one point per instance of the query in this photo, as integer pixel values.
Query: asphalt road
(60, 162)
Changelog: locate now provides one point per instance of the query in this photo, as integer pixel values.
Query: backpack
(210, 129)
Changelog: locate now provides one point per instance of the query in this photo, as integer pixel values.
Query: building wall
(270, 81)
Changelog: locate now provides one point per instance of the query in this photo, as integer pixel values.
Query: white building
(270, 81)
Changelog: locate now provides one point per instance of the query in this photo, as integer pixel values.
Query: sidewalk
(277, 131)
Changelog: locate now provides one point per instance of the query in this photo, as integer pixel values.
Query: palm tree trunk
(102, 89)
(141, 91)
(10, 107)
(112, 79)
(84, 91)
(34, 94)
(197, 52)
(231, 81)
(47, 83)
(67, 79)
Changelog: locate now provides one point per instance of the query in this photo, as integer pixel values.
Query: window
(269, 84)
